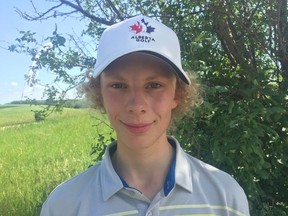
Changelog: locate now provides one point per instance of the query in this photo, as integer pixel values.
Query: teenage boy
(139, 82)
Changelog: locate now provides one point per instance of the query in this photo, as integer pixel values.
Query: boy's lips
(138, 127)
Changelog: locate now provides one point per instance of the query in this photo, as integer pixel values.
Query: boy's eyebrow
(157, 76)
(149, 78)
(112, 74)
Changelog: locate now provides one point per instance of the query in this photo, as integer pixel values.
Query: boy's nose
(137, 102)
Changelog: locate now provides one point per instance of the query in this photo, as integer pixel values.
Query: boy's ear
(176, 100)
(175, 104)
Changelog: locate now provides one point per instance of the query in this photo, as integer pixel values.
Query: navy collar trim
(170, 178)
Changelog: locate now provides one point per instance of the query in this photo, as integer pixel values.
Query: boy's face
(138, 93)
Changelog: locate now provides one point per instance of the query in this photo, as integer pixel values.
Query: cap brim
(181, 74)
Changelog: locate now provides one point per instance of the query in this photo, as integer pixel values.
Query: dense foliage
(239, 51)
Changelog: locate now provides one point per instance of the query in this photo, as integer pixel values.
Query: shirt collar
(179, 172)
(183, 175)
(110, 181)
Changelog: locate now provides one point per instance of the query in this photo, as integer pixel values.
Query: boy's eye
(154, 85)
(118, 86)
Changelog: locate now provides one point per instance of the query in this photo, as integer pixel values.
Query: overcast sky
(14, 66)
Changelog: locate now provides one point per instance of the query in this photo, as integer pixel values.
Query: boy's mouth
(138, 127)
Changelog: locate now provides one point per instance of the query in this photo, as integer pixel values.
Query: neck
(145, 169)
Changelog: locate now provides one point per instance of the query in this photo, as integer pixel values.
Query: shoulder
(210, 173)
(208, 184)
(218, 184)
(68, 194)
(204, 175)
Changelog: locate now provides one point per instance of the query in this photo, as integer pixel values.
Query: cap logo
(142, 31)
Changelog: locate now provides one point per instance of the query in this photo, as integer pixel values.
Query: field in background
(15, 114)
(35, 157)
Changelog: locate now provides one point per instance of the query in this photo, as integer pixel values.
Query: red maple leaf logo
(136, 27)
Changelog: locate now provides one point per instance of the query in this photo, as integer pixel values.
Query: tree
(239, 51)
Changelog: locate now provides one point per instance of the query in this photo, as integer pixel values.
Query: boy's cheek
(113, 105)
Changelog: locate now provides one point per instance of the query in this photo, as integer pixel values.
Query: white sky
(14, 66)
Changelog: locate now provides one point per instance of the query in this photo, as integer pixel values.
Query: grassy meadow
(36, 157)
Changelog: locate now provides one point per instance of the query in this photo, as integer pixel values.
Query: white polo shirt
(192, 187)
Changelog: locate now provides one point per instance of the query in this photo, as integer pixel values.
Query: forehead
(140, 62)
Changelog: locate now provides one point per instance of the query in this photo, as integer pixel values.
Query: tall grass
(35, 157)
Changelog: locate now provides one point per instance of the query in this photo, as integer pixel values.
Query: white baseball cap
(139, 34)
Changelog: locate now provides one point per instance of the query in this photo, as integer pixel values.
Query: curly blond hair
(188, 96)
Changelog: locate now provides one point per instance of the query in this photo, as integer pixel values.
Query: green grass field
(36, 157)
